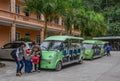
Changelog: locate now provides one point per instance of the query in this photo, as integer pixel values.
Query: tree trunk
(45, 30)
(82, 33)
(70, 31)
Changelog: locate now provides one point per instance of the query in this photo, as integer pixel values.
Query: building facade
(15, 23)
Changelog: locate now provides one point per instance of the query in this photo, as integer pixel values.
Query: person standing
(108, 49)
(36, 56)
(20, 59)
(28, 63)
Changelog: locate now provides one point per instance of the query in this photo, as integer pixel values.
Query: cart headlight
(87, 52)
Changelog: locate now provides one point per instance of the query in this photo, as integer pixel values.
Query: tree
(84, 19)
(49, 9)
(90, 23)
(112, 15)
(111, 11)
(69, 15)
(74, 12)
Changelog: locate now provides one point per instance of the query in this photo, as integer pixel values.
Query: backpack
(13, 54)
(35, 59)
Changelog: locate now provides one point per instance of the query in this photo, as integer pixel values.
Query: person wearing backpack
(20, 59)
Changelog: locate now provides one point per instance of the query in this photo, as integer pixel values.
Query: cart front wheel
(59, 66)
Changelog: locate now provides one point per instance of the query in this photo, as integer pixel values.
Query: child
(36, 56)
(35, 60)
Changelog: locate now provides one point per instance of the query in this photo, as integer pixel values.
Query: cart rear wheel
(80, 61)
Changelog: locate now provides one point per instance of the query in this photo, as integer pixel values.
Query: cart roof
(94, 42)
(63, 38)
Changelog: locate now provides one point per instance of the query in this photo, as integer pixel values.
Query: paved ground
(102, 69)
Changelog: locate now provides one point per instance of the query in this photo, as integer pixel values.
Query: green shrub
(25, 39)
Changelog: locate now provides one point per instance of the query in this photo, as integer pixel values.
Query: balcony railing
(8, 16)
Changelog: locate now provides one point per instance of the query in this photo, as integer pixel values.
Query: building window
(49, 19)
(27, 12)
(62, 22)
(17, 35)
(9, 7)
(27, 35)
(38, 39)
(56, 20)
(17, 9)
(38, 16)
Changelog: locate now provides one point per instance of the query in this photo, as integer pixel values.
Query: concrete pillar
(60, 21)
(13, 28)
(13, 3)
(13, 32)
(42, 35)
(73, 26)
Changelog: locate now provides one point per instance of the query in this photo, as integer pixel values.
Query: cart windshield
(88, 46)
(50, 45)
